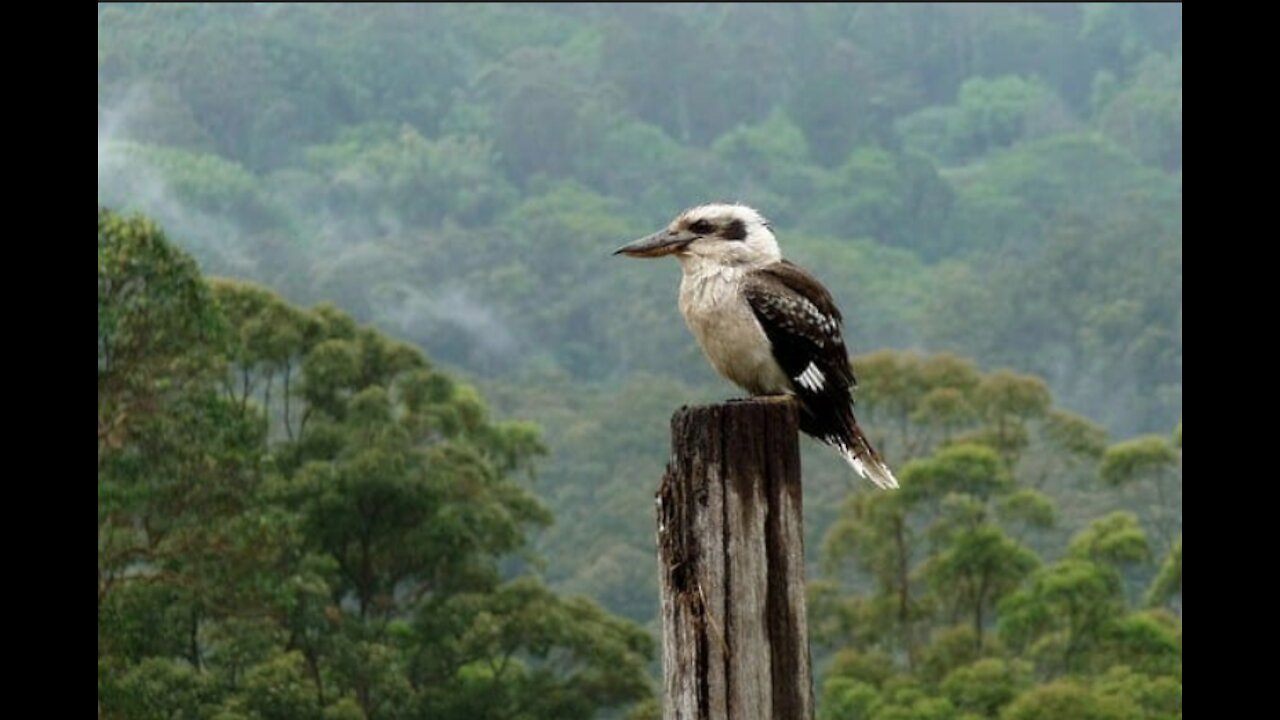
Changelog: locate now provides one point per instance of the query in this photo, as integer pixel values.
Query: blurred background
(397, 458)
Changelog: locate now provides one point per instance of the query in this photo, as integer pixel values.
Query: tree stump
(730, 545)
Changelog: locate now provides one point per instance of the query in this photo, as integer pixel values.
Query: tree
(1152, 462)
(979, 567)
(1168, 582)
(1068, 612)
(300, 517)
(1063, 698)
(986, 686)
(175, 458)
(874, 532)
(153, 311)
(989, 113)
(1147, 115)
(954, 498)
(378, 171)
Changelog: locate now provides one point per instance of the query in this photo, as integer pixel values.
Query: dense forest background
(301, 516)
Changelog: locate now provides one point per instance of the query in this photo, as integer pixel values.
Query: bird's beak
(663, 242)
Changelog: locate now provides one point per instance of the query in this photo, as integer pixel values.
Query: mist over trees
(299, 517)
(373, 467)
(459, 173)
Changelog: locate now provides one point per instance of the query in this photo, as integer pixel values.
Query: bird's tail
(834, 424)
(857, 451)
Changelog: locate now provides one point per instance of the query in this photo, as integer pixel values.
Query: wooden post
(735, 641)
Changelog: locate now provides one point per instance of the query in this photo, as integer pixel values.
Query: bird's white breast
(716, 310)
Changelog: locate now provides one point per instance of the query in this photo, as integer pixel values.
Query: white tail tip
(877, 472)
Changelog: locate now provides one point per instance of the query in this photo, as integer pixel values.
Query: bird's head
(720, 233)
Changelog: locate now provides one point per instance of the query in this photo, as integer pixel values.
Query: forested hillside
(993, 193)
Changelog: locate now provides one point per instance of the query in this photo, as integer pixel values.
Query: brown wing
(803, 325)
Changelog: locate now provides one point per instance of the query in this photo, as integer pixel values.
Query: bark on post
(730, 547)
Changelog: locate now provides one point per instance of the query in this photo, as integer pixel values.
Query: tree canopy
(299, 517)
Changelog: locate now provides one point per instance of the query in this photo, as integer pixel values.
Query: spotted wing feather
(804, 328)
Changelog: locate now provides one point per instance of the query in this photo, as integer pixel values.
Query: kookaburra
(765, 324)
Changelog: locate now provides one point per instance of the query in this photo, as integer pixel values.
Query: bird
(765, 323)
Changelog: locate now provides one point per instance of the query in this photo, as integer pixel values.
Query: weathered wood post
(730, 545)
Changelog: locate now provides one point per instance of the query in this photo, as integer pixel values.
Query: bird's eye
(701, 227)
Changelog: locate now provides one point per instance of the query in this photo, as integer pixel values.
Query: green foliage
(156, 324)
(1150, 469)
(1118, 694)
(1112, 540)
(979, 566)
(988, 114)
(933, 604)
(1029, 507)
(985, 686)
(1147, 114)
(1063, 698)
(896, 198)
(1064, 614)
(378, 170)
(1142, 695)
(334, 153)
(1168, 582)
(299, 518)
(965, 468)
(278, 690)
(1076, 435)
(1132, 460)
(1090, 285)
